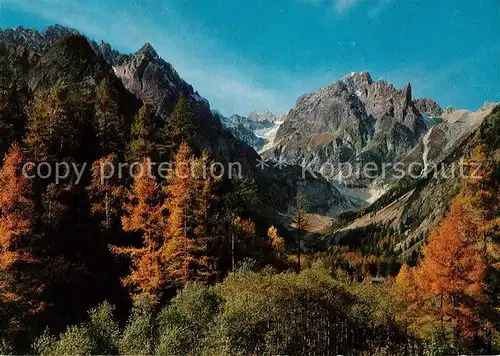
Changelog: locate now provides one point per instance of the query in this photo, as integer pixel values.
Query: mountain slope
(414, 210)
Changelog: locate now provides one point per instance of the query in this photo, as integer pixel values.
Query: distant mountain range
(356, 121)
(258, 130)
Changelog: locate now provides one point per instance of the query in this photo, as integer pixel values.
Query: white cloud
(343, 6)
(378, 8)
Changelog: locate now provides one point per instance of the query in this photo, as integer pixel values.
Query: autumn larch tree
(277, 242)
(481, 192)
(451, 275)
(188, 194)
(18, 281)
(144, 215)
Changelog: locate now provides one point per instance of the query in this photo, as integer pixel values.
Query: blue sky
(245, 55)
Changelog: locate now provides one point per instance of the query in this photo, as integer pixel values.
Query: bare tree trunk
(107, 210)
(232, 251)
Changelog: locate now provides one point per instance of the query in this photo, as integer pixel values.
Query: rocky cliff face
(442, 138)
(266, 116)
(355, 120)
(156, 82)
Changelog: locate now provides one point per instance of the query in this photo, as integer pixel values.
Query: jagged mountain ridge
(155, 82)
(354, 119)
(38, 42)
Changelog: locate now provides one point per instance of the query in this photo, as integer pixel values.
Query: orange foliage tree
(144, 215)
(453, 270)
(188, 197)
(17, 213)
(446, 290)
(277, 242)
(173, 225)
(482, 190)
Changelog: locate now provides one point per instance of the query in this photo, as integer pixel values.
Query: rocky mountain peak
(407, 95)
(358, 79)
(156, 82)
(267, 115)
(148, 50)
(57, 31)
(354, 119)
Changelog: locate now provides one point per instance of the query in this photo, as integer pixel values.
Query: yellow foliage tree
(277, 242)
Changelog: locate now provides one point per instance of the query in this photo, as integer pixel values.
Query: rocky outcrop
(266, 116)
(443, 137)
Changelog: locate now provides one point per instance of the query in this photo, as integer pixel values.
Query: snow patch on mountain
(269, 135)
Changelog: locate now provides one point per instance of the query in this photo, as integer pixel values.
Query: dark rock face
(428, 106)
(39, 42)
(70, 61)
(156, 82)
(352, 120)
